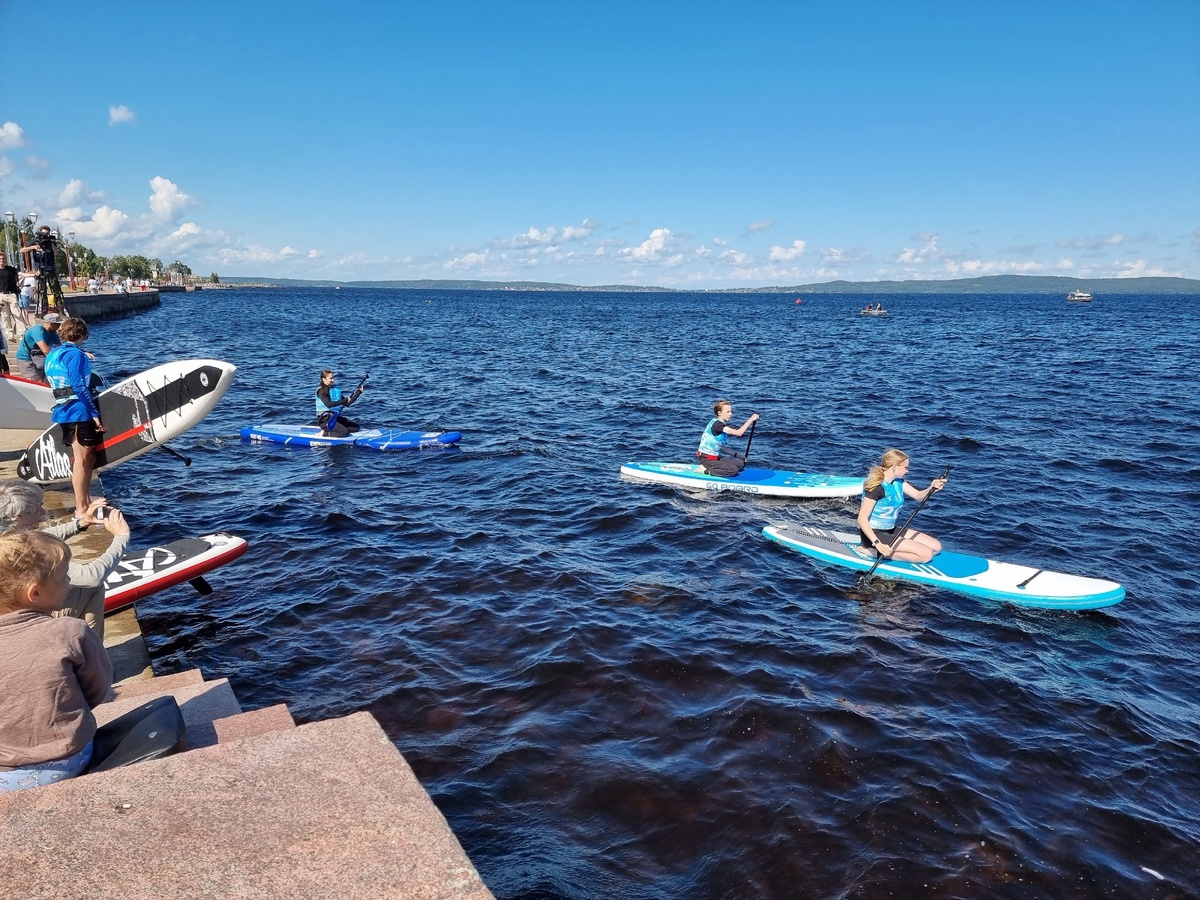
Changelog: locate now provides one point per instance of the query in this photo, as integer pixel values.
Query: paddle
(749, 441)
(904, 527)
(175, 453)
(354, 395)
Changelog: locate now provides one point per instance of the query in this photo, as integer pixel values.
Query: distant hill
(990, 284)
(1003, 284)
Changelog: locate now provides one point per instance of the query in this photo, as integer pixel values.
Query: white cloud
(105, 223)
(467, 261)
(253, 254)
(317, 254)
(993, 267)
(835, 256)
(580, 232)
(551, 236)
(1139, 268)
(187, 229)
(38, 166)
(737, 257)
(927, 253)
(11, 136)
(720, 242)
(7, 166)
(651, 249)
(168, 201)
(755, 227)
(119, 114)
(72, 193)
(787, 254)
(1095, 242)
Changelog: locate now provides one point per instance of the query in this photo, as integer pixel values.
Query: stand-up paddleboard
(144, 572)
(970, 575)
(24, 403)
(764, 482)
(375, 438)
(139, 414)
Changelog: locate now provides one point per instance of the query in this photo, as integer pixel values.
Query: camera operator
(43, 251)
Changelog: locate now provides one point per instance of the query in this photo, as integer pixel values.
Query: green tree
(213, 279)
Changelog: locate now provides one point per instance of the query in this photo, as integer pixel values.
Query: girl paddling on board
(329, 400)
(883, 495)
(716, 435)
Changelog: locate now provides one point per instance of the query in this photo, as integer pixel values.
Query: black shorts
(85, 432)
(887, 536)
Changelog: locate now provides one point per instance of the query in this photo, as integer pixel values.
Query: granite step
(158, 685)
(251, 724)
(200, 704)
(328, 809)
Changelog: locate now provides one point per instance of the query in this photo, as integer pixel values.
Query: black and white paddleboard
(139, 414)
(141, 573)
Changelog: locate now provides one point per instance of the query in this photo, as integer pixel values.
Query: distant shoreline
(992, 284)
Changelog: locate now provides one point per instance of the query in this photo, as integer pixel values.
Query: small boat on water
(1079, 297)
(874, 310)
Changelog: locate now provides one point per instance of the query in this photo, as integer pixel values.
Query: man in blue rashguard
(37, 341)
(69, 372)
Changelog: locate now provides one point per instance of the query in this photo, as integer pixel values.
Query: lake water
(617, 690)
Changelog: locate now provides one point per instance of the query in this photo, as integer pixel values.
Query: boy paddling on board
(711, 453)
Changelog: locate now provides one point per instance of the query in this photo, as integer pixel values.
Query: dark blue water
(615, 690)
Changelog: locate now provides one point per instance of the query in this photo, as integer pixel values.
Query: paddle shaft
(175, 453)
(749, 441)
(904, 527)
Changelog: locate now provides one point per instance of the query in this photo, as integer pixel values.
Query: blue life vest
(887, 507)
(68, 407)
(711, 444)
(335, 394)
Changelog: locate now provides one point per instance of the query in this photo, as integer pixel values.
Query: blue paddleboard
(764, 482)
(375, 438)
(971, 575)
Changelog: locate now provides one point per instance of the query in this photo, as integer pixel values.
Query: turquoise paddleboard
(764, 482)
(970, 575)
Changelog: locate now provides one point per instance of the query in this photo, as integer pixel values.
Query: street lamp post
(9, 219)
(28, 258)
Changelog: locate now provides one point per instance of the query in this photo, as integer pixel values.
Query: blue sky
(694, 144)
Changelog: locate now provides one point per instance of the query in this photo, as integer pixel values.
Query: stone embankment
(256, 807)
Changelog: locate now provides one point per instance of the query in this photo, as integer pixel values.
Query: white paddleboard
(971, 575)
(24, 404)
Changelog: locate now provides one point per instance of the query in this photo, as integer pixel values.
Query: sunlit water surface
(616, 690)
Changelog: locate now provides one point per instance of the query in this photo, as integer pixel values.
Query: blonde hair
(27, 557)
(891, 458)
(717, 406)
